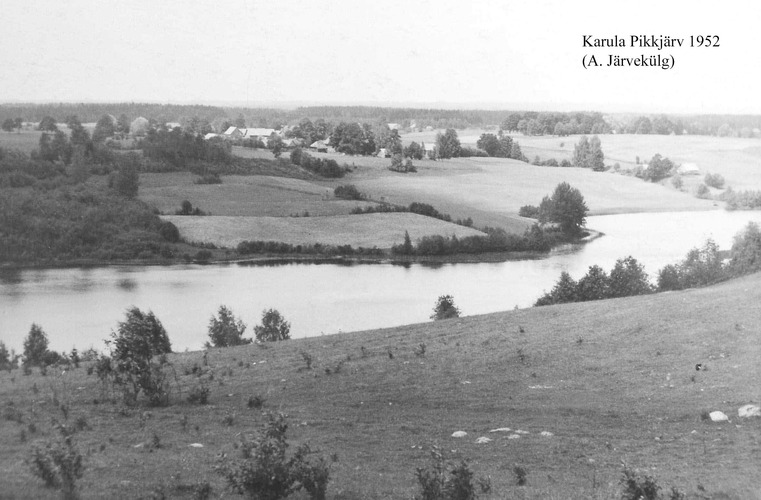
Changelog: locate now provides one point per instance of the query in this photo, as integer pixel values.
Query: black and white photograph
(353, 249)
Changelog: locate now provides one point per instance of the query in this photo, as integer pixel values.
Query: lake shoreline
(270, 259)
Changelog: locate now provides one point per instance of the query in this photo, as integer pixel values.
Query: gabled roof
(230, 131)
(257, 132)
(209, 136)
(318, 145)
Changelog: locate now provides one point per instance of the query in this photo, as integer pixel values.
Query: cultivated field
(612, 381)
(366, 230)
(256, 195)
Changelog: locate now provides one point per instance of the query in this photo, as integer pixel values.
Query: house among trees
(383, 153)
(257, 134)
(319, 146)
(688, 169)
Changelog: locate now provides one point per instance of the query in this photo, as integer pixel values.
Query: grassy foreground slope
(612, 381)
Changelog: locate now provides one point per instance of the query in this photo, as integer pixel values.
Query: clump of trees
(587, 153)
(324, 167)
(701, 267)
(353, 138)
(500, 146)
(627, 278)
(658, 168)
(566, 207)
(348, 192)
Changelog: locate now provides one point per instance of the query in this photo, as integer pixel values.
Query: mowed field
(737, 159)
(613, 381)
(366, 230)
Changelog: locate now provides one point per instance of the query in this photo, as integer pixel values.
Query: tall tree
(448, 144)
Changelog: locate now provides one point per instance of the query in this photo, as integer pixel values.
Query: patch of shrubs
(278, 247)
(529, 211)
(58, 463)
(323, 167)
(186, 208)
(209, 178)
(448, 481)
(741, 200)
(714, 181)
(348, 192)
(264, 470)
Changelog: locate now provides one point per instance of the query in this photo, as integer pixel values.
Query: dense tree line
(501, 146)
(534, 239)
(554, 123)
(525, 122)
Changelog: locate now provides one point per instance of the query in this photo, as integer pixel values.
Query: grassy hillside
(381, 230)
(613, 381)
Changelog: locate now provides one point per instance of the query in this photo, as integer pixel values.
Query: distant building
(393, 126)
(383, 153)
(210, 136)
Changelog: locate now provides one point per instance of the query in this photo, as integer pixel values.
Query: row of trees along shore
(701, 266)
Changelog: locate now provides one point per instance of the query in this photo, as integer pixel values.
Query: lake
(80, 307)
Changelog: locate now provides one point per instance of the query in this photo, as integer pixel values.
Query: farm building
(233, 133)
(688, 169)
(383, 153)
(319, 146)
(210, 135)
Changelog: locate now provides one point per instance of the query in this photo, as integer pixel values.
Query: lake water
(80, 307)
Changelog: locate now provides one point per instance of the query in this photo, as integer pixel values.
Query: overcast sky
(498, 53)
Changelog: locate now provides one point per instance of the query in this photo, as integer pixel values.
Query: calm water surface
(79, 307)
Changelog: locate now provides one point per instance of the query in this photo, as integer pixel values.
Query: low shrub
(447, 481)
(348, 192)
(265, 472)
(58, 463)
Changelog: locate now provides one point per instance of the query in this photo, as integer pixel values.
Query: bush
(348, 192)
(445, 481)
(209, 178)
(703, 192)
(273, 327)
(169, 232)
(225, 330)
(264, 472)
(714, 180)
(138, 357)
(638, 488)
(58, 464)
(745, 256)
(530, 211)
(445, 308)
(199, 395)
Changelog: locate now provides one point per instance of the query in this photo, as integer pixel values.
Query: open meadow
(583, 389)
